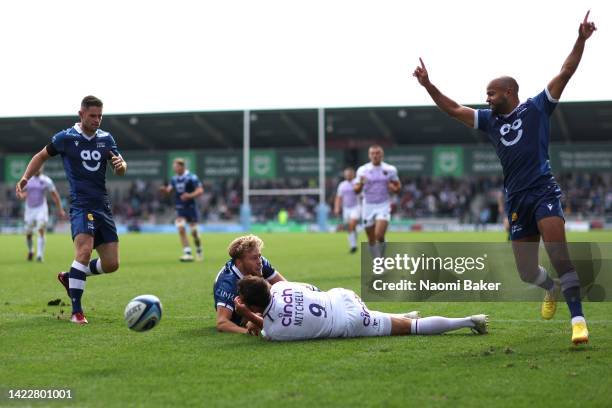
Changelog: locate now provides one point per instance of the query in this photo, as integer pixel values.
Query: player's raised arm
(462, 113)
(558, 83)
(35, 164)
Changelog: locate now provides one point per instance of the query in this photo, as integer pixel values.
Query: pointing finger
(422, 63)
(586, 18)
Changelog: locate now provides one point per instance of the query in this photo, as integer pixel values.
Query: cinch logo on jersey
(88, 155)
(365, 313)
(293, 311)
(505, 129)
(412, 264)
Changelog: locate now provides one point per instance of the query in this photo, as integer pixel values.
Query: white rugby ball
(143, 313)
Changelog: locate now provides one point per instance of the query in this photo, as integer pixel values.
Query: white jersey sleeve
(48, 182)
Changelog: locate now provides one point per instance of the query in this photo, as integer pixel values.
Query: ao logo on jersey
(88, 155)
(506, 128)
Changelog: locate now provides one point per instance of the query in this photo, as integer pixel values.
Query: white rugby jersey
(347, 193)
(37, 188)
(375, 190)
(296, 312)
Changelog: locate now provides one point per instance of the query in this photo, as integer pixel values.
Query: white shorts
(374, 212)
(351, 213)
(352, 318)
(36, 218)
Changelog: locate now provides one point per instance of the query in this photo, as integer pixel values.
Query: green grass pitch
(185, 362)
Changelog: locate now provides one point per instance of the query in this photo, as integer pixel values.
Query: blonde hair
(180, 161)
(243, 244)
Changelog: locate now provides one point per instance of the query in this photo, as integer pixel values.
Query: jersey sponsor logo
(100, 144)
(89, 155)
(293, 311)
(90, 217)
(514, 216)
(506, 128)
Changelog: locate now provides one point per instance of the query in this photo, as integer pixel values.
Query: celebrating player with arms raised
(520, 133)
(85, 150)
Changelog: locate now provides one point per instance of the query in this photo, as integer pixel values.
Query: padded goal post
(245, 208)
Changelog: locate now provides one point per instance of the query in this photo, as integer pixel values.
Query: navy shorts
(526, 208)
(190, 214)
(98, 223)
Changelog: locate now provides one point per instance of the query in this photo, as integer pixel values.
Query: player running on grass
(520, 133)
(377, 180)
(85, 150)
(187, 187)
(347, 202)
(290, 311)
(36, 214)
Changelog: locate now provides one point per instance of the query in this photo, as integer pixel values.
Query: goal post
(247, 192)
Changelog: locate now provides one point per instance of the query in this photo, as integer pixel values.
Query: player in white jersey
(378, 180)
(291, 311)
(348, 201)
(36, 215)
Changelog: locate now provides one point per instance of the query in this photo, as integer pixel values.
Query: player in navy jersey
(520, 133)
(246, 259)
(186, 187)
(85, 150)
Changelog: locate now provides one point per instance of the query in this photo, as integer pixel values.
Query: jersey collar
(237, 271)
(77, 127)
(266, 312)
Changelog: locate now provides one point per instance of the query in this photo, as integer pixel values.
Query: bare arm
(58, 203)
(337, 204)
(358, 186)
(394, 186)
(224, 322)
(35, 164)
(462, 113)
(558, 83)
(277, 278)
(195, 193)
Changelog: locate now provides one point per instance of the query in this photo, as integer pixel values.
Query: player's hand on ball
(420, 73)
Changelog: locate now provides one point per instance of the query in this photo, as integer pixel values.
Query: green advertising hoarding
(142, 165)
(305, 162)
(14, 167)
(220, 164)
(409, 161)
(263, 164)
(481, 161)
(448, 161)
(581, 157)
